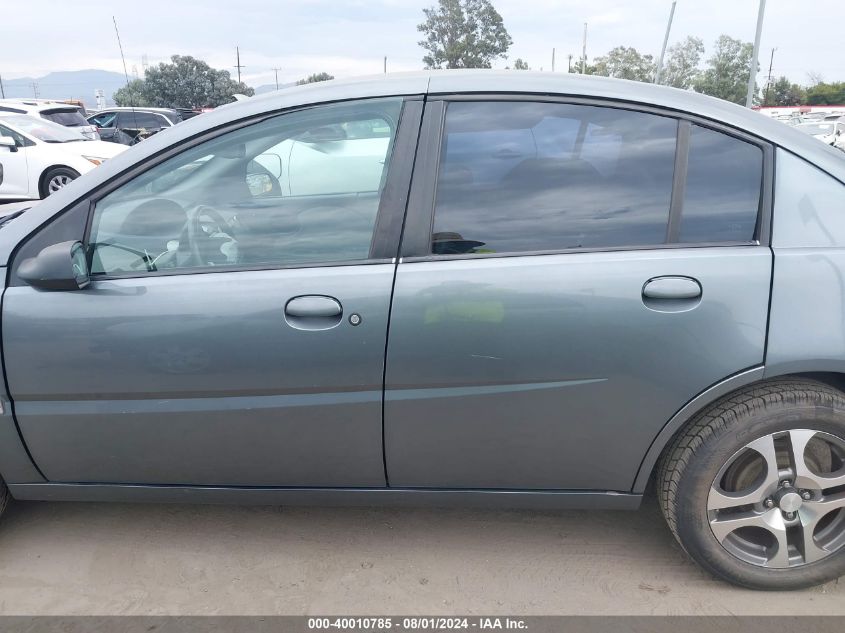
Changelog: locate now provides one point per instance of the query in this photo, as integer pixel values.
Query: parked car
(129, 125)
(464, 288)
(66, 114)
(37, 157)
(828, 132)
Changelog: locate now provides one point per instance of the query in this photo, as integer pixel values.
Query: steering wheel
(197, 234)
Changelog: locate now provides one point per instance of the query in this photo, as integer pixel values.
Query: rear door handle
(313, 307)
(669, 288)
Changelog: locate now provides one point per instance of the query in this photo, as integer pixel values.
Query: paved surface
(74, 558)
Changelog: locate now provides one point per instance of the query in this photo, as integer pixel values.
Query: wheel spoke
(771, 521)
(810, 514)
(720, 499)
(804, 477)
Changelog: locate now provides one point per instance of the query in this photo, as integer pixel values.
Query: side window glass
(104, 120)
(522, 177)
(722, 196)
(302, 187)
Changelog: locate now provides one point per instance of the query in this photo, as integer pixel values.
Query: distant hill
(73, 84)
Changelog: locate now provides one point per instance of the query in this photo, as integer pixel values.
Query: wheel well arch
(679, 422)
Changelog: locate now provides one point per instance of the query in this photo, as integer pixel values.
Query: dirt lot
(73, 558)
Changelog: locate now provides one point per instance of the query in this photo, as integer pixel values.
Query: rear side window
(69, 117)
(722, 196)
(521, 176)
(140, 120)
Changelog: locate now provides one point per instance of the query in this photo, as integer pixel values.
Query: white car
(830, 132)
(59, 112)
(38, 157)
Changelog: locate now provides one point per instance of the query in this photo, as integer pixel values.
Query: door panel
(15, 181)
(199, 379)
(555, 371)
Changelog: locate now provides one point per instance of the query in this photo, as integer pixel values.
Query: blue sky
(350, 37)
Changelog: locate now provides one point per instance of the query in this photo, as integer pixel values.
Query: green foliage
(726, 74)
(520, 64)
(682, 62)
(784, 93)
(186, 82)
(826, 93)
(312, 79)
(463, 34)
(132, 94)
(624, 62)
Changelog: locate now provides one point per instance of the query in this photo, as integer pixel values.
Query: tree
(463, 34)
(826, 93)
(132, 94)
(726, 74)
(186, 82)
(312, 79)
(681, 68)
(519, 64)
(624, 62)
(783, 93)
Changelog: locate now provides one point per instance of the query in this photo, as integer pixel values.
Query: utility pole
(553, 59)
(2, 90)
(584, 52)
(238, 64)
(34, 89)
(659, 68)
(752, 70)
(569, 69)
(385, 64)
(276, 70)
(769, 80)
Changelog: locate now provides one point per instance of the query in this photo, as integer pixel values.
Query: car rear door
(15, 181)
(571, 276)
(230, 335)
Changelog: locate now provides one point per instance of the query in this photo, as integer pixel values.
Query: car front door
(15, 181)
(230, 335)
(577, 274)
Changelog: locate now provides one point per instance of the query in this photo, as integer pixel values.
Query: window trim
(387, 230)
(416, 243)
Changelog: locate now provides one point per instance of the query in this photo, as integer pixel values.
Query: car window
(295, 189)
(20, 141)
(522, 176)
(139, 120)
(70, 117)
(104, 119)
(722, 196)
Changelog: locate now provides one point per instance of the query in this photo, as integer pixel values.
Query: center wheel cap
(790, 502)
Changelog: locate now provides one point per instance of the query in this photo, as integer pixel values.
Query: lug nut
(769, 503)
(790, 516)
(806, 495)
(786, 484)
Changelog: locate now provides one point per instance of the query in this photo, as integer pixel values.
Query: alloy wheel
(57, 182)
(779, 502)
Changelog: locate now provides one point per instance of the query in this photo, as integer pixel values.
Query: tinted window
(293, 189)
(518, 177)
(104, 119)
(722, 197)
(70, 117)
(138, 120)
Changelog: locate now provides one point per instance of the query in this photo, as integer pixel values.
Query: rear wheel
(754, 488)
(56, 178)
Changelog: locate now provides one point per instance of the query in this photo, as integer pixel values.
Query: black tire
(695, 457)
(55, 173)
(4, 497)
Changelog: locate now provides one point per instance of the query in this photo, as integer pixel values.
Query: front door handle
(672, 288)
(313, 312)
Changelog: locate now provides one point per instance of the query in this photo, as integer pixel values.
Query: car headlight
(95, 159)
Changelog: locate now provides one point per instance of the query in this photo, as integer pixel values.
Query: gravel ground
(75, 558)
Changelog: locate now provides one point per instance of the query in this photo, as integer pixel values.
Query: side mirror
(8, 142)
(62, 266)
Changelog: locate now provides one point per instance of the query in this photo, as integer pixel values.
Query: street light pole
(752, 70)
(659, 68)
